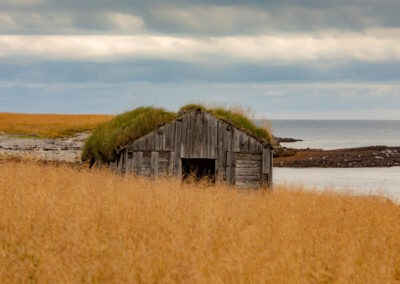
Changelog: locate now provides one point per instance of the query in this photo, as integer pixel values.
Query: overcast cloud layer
(292, 58)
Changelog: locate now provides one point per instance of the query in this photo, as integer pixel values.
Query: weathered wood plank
(248, 172)
(266, 161)
(171, 160)
(169, 136)
(134, 162)
(146, 159)
(229, 135)
(198, 135)
(163, 156)
(213, 146)
(243, 142)
(140, 143)
(178, 148)
(204, 151)
(253, 145)
(192, 134)
(230, 159)
(184, 136)
(249, 156)
(270, 174)
(154, 163)
(151, 142)
(139, 157)
(146, 143)
(164, 130)
(250, 179)
(221, 150)
(125, 163)
(235, 140)
(171, 146)
(230, 167)
(135, 146)
(146, 163)
(156, 136)
(189, 137)
(129, 164)
(249, 184)
(260, 147)
(248, 164)
(230, 172)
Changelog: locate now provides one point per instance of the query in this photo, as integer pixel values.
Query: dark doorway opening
(199, 169)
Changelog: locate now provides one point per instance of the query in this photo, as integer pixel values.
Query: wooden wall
(239, 158)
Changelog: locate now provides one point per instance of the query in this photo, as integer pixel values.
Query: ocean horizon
(337, 134)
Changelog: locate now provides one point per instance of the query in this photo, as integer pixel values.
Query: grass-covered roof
(129, 126)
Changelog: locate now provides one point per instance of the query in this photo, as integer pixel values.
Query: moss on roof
(129, 126)
(124, 129)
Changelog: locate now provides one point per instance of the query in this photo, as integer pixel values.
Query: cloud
(206, 19)
(125, 22)
(211, 18)
(267, 49)
(24, 22)
(59, 23)
(22, 3)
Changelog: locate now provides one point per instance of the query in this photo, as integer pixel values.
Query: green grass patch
(130, 126)
(124, 129)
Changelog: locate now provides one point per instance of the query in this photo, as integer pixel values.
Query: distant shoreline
(69, 149)
(359, 157)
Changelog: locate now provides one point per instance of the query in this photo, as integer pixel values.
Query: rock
(286, 139)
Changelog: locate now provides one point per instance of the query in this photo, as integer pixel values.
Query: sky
(294, 59)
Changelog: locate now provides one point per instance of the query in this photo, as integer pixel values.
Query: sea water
(337, 134)
(383, 181)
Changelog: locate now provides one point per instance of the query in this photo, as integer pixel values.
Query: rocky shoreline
(373, 156)
(59, 149)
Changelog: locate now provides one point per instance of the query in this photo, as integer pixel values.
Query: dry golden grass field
(60, 224)
(49, 125)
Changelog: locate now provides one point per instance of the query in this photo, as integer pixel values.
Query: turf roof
(130, 126)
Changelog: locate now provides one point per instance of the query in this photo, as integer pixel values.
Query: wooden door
(244, 169)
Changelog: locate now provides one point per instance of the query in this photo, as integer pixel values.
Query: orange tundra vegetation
(49, 125)
(69, 225)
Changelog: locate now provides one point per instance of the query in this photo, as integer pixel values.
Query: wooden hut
(198, 142)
